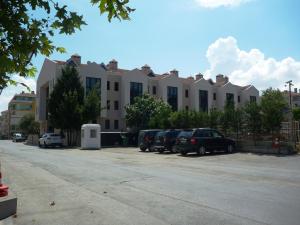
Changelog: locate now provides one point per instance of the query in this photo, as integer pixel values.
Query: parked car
(146, 139)
(18, 137)
(165, 140)
(50, 139)
(202, 140)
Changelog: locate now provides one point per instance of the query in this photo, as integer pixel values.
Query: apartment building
(120, 86)
(4, 133)
(293, 97)
(19, 106)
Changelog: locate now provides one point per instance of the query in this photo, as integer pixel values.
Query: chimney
(220, 79)
(76, 59)
(113, 65)
(174, 72)
(146, 69)
(199, 76)
(296, 90)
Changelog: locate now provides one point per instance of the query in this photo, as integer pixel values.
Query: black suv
(146, 139)
(165, 140)
(202, 140)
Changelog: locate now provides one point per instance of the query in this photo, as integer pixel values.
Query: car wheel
(201, 150)
(229, 149)
(183, 153)
(160, 150)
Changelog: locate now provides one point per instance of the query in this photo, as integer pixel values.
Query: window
(186, 108)
(116, 124)
(154, 90)
(216, 134)
(173, 97)
(230, 98)
(116, 105)
(239, 98)
(93, 133)
(107, 124)
(252, 98)
(108, 105)
(186, 93)
(116, 86)
(203, 100)
(91, 83)
(21, 107)
(136, 89)
(215, 96)
(108, 85)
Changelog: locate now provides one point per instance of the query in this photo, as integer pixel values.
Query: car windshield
(186, 133)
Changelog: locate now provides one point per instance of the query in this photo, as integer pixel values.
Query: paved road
(125, 186)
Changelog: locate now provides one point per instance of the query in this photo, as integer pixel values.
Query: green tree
(28, 26)
(145, 107)
(214, 118)
(253, 119)
(237, 121)
(273, 105)
(28, 125)
(160, 119)
(92, 106)
(181, 119)
(65, 103)
(226, 118)
(296, 113)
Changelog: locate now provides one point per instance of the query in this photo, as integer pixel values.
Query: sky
(251, 41)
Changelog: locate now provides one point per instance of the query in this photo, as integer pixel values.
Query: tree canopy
(28, 125)
(28, 26)
(273, 106)
(145, 107)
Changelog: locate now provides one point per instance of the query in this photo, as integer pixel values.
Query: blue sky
(254, 41)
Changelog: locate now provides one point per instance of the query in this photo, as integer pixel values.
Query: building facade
(4, 124)
(293, 97)
(19, 106)
(120, 86)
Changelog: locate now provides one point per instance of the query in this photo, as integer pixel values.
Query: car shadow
(195, 155)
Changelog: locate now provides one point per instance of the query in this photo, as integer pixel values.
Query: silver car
(50, 139)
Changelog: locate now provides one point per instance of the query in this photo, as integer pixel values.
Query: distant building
(120, 86)
(295, 97)
(4, 124)
(20, 105)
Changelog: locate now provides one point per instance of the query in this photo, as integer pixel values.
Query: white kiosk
(91, 136)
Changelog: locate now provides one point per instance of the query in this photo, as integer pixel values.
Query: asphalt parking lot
(125, 186)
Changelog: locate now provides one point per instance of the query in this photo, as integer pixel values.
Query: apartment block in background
(119, 87)
(4, 132)
(19, 106)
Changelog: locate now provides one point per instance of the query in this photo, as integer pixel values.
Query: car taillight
(193, 141)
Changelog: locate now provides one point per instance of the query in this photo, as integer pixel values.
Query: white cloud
(252, 67)
(219, 3)
(10, 91)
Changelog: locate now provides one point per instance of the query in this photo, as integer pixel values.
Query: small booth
(90, 136)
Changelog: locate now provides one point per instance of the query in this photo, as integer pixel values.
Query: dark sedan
(165, 140)
(202, 140)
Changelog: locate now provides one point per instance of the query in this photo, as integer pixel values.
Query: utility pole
(290, 84)
(291, 133)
